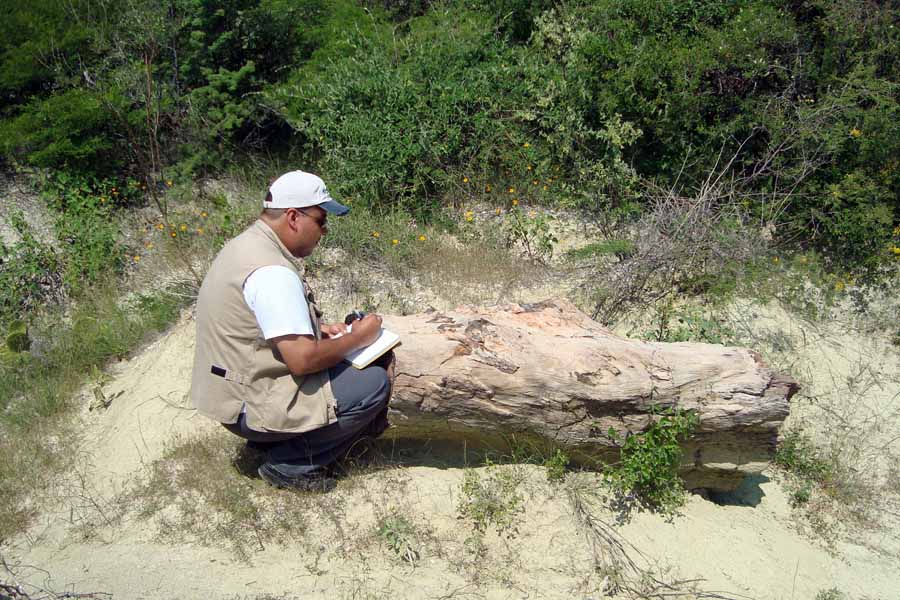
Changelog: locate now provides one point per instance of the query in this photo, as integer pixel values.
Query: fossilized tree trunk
(547, 370)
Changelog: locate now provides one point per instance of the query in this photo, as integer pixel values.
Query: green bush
(689, 325)
(68, 129)
(797, 454)
(86, 229)
(232, 51)
(647, 471)
(400, 536)
(556, 466)
(30, 273)
(400, 120)
(492, 500)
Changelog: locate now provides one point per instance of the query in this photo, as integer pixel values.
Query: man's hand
(303, 354)
(367, 329)
(332, 329)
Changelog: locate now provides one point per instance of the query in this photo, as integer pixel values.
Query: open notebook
(363, 357)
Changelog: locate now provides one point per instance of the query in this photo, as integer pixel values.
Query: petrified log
(550, 372)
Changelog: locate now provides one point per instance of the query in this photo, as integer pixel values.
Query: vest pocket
(228, 374)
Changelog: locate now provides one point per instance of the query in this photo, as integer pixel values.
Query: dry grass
(206, 489)
(461, 273)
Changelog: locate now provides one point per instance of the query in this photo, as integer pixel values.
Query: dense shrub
(402, 101)
(397, 119)
(185, 75)
(802, 96)
(30, 273)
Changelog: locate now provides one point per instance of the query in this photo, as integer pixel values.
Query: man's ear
(292, 216)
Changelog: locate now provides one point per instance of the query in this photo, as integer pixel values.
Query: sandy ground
(754, 545)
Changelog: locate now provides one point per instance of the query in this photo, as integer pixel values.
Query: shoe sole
(304, 484)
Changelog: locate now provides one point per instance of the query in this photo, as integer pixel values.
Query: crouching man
(264, 365)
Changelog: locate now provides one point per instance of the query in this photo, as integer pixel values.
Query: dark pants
(362, 397)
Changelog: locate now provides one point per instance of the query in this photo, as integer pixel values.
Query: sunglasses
(321, 222)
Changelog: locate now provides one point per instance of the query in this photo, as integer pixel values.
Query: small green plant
(808, 470)
(492, 500)
(556, 466)
(399, 535)
(532, 232)
(17, 339)
(801, 494)
(831, 594)
(647, 472)
(689, 326)
(30, 272)
(797, 454)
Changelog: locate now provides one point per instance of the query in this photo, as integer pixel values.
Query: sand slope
(756, 546)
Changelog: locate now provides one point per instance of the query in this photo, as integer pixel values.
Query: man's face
(308, 226)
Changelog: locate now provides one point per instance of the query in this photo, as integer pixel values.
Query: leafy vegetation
(492, 500)
(400, 537)
(410, 104)
(647, 471)
(797, 455)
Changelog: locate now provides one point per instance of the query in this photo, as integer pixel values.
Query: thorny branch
(612, 556)
(11, 588)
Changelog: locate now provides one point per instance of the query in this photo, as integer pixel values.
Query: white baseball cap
(299, 189)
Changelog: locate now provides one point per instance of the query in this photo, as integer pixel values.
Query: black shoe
(315, 483)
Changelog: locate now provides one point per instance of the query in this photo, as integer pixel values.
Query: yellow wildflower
(546, 188)
(526, 145)
(497, 211)
(183, 227)
(173, 234)
(375, 234)
(855, 132)
(395, 242)
(776, 260)
(529, 167)
(200, 230)
(803, 260)
(511, 190)
(160, 226)
(532, 214)
(169, 182)
(487, 188)
(422, 238)
(896, 251)
(534, 182)
(515, 201)
(204, 214)
(470, 216)
(137, 258)
(896, 230)
(839, 286)
(148, 245)
(465, 180)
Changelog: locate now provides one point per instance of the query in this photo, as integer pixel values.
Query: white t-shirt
(275, 295)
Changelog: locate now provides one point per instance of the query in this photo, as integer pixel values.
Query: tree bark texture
(548, 372)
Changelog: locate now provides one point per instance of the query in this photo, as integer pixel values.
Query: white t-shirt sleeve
(275, 295)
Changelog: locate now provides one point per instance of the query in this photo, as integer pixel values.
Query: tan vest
(234, 365)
